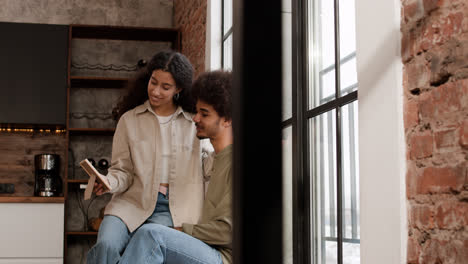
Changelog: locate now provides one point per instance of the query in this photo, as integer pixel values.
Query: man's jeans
(157, 244)
(113, 234)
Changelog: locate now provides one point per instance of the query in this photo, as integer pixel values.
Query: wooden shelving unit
(127, 33)
(91, 131)
(98, 82)
(81, 233)
(73, 181)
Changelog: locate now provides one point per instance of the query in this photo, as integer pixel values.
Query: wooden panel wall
(17, 152)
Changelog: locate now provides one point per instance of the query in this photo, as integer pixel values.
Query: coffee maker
(47, 176)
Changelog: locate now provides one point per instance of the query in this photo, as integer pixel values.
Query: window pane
(348, 76)
(321, 52)
(327, 84)
(287, 196)
(348, 46)
(323, 170)
(351, 227)
(351, 253)
(287, 66)
(227, 12)
(347, 27)
(227, 53)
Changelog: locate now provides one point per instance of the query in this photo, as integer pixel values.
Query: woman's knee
(109, 244)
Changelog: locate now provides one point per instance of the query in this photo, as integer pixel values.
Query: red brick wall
(435, 81)
(190, 17)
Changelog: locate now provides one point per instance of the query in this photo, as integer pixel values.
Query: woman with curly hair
(155, 152)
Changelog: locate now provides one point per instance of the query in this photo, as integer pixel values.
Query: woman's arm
(120, 173)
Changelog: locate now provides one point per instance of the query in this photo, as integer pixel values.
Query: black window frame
(302, 179)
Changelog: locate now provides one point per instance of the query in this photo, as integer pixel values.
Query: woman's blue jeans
(114, 236)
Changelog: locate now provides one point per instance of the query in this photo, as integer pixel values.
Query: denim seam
(186, 255)
(153, 253)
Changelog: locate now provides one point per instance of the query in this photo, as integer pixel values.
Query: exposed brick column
(435, 81)
(190, 17)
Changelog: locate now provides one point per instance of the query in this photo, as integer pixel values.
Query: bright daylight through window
(332, 112)
(226, 59)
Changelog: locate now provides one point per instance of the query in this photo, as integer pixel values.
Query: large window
(320, 148)
(324, 125)
(226, 57)
(332, 126)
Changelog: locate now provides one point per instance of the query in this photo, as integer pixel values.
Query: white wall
(381, 137)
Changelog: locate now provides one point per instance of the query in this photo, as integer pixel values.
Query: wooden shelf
(125, 33)
(97, 82)
(31, 199)
(35, 127)
(81, 233)
(74, 181)
(91, 131)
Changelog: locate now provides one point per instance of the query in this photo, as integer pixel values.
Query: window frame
(303, 184)
(227, 34)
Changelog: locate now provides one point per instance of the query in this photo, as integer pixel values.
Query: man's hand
(178, 228)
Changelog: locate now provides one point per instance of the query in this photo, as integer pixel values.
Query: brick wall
(190, 17)
(435, 81)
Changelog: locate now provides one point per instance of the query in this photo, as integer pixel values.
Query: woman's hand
(99, 188)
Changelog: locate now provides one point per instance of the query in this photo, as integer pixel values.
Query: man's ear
(227, 122)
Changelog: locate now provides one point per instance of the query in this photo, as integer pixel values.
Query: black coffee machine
(47, 177)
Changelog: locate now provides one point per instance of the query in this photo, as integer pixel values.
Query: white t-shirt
(165, 128)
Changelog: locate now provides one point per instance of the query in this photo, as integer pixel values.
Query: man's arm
(219, 230)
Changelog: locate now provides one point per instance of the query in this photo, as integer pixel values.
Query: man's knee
(155, 232)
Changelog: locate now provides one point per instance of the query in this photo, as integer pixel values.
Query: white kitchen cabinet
(31, 261)
(31, 233)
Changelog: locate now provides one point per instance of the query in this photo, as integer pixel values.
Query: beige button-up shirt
(134, 175)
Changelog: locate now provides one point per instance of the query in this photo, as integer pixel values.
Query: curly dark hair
(215, 89)
(172, 62)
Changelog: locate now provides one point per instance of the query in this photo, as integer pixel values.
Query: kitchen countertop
(31, 199)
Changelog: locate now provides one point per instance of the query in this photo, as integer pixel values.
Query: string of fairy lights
(32, 130)
(77, 115)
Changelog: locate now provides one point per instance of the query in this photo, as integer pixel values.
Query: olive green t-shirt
(215, 224)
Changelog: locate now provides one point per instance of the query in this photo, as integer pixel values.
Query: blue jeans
(114, 236)
(157, 244)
